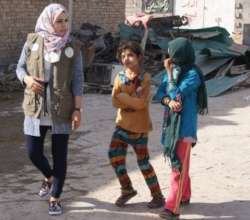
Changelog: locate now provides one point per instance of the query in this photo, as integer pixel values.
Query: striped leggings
(117, 155)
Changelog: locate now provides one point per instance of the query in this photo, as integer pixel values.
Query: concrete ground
(220, 165)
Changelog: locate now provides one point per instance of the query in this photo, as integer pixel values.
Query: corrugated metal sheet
(217, 86)
(213, 47)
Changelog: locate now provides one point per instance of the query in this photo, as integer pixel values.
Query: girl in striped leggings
(131, 96)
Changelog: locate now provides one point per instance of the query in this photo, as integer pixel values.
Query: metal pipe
(204, 13)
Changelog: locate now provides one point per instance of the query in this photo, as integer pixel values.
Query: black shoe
(167, 214)
(156, 202)
(55, 208)
(125, 197)
(45, 188)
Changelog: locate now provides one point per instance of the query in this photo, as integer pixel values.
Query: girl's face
(129, 59)
(61, 24)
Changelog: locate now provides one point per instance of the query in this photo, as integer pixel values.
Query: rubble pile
(8, 79)
(225, 65)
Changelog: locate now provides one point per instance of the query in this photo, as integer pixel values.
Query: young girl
(131, 95)
(183, 94)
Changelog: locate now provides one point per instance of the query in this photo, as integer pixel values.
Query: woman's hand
(33, 84)
(168, 64)
(76, 119)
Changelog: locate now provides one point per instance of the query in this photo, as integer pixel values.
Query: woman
(50, 67)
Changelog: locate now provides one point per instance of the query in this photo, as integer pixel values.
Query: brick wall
(105, 13)
(18, 17)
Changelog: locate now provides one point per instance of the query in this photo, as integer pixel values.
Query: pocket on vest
(65, 109)
(29, 102)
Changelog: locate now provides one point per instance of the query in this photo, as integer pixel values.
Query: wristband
(165, 100)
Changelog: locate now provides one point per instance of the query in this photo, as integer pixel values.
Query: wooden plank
(238, 69)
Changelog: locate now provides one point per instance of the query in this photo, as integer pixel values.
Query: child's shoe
(157, 202)
(125, 197)
(185, 203)
(167, 214)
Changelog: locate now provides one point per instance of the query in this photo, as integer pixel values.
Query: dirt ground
(220, 165)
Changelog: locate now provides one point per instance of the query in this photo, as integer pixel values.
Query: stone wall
(18, 17)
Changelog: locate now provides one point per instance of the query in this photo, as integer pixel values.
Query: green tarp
(220, 85)
(213, 47)
(208, 65)
(214, 41)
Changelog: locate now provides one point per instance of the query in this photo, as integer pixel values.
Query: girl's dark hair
(131, 45)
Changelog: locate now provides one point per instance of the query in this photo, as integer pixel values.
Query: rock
(11, 77)
(9, 83)
(12, 68)
(3, 69)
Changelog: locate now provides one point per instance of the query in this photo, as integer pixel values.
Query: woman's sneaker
(45, 188)
(55, 208)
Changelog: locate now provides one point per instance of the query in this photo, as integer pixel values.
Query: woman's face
(130, 59)
(61, 24)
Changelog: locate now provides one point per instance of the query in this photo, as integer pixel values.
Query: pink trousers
(180, 186)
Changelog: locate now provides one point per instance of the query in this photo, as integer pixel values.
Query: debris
(225, 69)
(8, 79)
(218, 57)
(222, 62)
(210, 65)
(238, 69)
(220, 85)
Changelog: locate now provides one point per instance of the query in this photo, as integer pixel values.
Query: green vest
(62, 100)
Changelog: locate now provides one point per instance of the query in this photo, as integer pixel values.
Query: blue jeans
(35, 146)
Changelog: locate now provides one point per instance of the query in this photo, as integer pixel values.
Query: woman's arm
(21, 70)
(23, 75)
(78, 79)
(77, 89)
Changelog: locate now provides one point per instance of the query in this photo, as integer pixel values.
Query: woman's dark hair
(131, 45)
